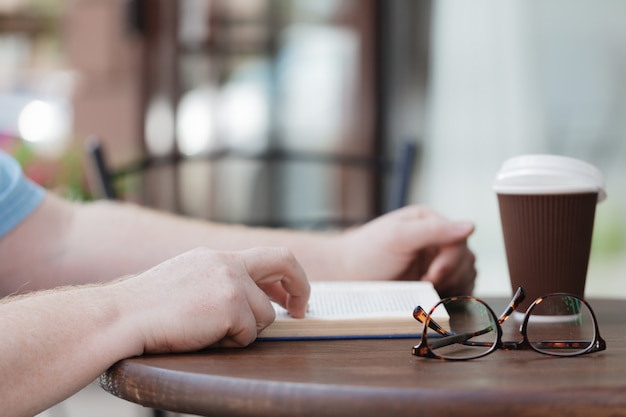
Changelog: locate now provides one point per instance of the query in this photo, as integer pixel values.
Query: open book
(357, 309)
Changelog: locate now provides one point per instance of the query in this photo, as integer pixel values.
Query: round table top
(377, 377)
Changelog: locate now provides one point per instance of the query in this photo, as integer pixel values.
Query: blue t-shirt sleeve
(18, 195)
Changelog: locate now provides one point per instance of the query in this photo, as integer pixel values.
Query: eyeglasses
(556, 324)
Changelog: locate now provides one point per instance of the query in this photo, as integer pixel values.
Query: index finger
(278, 270)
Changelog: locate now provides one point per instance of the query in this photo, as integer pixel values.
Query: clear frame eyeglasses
(558, 324)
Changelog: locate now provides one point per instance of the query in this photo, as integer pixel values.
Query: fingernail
(464, 227)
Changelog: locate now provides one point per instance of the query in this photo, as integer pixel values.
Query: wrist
(347, 263)
(116, 311)
(332, 261)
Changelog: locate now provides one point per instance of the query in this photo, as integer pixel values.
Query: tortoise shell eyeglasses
(557, 324)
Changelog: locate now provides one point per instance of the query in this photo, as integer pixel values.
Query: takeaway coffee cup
(547, 207)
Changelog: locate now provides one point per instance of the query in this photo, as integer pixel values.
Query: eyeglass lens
(560, 325)
(472, 329)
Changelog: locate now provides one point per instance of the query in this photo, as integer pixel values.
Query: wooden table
(381, 378)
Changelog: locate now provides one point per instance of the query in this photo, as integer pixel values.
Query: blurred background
(318, 114)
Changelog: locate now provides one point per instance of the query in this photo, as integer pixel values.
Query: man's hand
(204, 297)
(413, 243)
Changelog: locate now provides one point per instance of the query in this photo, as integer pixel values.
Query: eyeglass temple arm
(461, 338)
(420, 315)
(517, 299)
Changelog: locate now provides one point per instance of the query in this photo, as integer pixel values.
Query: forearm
(65, 243)
(54, 343)
(135, 238)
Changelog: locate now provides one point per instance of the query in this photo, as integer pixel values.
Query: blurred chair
(401, 168)
(102, 179)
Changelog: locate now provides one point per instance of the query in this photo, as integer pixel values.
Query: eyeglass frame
(423, 349)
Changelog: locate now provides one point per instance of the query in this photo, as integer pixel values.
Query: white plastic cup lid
(548, 174)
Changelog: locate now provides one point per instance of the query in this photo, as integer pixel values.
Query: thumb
(442, 232)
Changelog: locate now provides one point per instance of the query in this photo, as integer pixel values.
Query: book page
(361, 299)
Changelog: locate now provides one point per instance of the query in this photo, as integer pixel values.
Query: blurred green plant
(65, 174)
